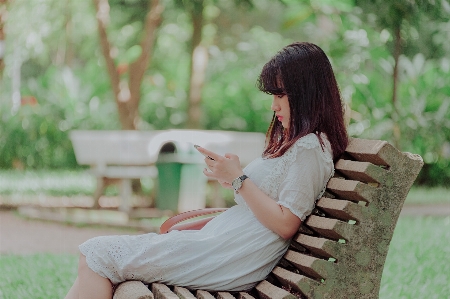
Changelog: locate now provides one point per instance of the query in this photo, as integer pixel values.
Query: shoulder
(313, 142)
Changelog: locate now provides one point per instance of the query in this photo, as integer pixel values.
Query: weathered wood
(292, 280)
(319, 246)
(331, 228)
(360, 261)
(352, 190)
(183, 293)
(224, 295)
(361, 171)
(266, 290)
(341, 209)
(311, 266)
(244, 295)
(132, 289)
(204, 295)
(161, 291)
(377, 152)
(367, 150)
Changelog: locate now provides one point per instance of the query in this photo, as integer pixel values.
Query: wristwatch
(237, 182)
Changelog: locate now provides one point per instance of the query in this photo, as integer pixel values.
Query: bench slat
(204, 295)
(378, 152)
(132, 289)
(292, 280)
(266, 290)
(161, 291)
(311, 266)
(319, 246)
(352, 190)
(183, 293)
(330, 228)
(341, 209)
(245, 295)
(225, 295)
(365, 172)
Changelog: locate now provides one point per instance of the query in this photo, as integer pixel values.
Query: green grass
(417, 266)
(39, 276)
(418, 262)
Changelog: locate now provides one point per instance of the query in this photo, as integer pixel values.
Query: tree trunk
(199, 62)
(395, 115)
(127, 93)
(3, 4)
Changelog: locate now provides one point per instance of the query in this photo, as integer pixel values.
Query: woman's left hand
(223, 168)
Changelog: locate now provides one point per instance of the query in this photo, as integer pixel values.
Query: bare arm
(275, 217)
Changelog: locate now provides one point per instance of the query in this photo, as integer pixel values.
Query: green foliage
(63, 69)
(36, 136)
(46, 183)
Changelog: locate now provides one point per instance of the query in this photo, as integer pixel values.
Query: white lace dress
(233, 251)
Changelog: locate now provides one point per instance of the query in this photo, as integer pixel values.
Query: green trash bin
(181, 183)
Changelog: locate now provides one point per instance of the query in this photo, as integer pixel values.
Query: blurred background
(192, 64)
(146, 65)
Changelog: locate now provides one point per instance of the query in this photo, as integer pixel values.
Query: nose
(275, 106)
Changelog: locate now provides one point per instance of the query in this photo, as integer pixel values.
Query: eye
(280, 96)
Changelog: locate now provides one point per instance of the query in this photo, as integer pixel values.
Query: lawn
(417, 266)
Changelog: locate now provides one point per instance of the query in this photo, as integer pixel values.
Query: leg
(90, 284)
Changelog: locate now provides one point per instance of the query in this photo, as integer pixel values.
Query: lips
(280, 118)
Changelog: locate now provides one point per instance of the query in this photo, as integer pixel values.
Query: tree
(3, 4)
(199, 57)
(399, 17)
(127, 94)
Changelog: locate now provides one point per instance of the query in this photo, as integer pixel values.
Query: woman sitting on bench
(274, 194)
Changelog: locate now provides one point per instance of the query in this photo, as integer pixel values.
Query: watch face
(237, 183)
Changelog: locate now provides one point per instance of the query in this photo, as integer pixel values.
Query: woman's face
(280, 105)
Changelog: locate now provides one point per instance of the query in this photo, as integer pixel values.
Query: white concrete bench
(128, 155)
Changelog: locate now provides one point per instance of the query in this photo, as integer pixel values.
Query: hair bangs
(269, 80)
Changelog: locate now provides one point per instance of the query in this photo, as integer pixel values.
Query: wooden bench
(340, 250)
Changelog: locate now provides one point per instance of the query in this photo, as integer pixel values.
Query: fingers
(231, 156)
(208, 173)
(209, 153)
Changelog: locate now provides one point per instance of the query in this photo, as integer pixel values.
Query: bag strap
(170, 223)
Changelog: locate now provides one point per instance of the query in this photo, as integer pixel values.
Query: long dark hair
(303, 72)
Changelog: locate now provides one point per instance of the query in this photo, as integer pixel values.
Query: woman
(274, 194)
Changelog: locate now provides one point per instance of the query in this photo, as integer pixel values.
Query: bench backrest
(341, 248)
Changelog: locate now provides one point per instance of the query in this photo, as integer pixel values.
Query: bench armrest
(171, 223)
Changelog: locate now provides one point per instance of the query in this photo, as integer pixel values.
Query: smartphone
(197, 146)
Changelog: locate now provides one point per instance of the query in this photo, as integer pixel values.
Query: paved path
(22, 236)
(442, 209)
